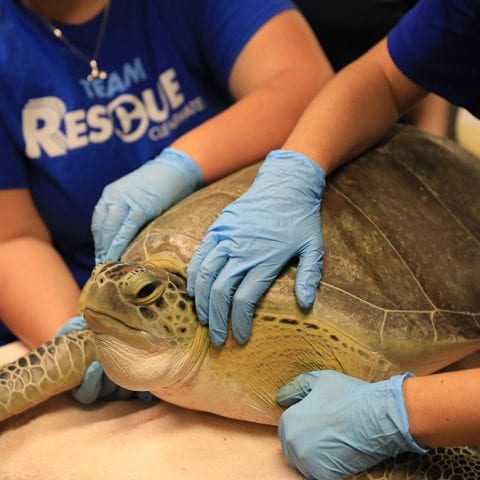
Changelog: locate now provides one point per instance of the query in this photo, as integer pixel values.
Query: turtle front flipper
(52, 368)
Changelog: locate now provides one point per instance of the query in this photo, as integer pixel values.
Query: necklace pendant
(95, 72)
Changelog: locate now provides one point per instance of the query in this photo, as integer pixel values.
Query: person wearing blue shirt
(118, 109)
(346, 29)
(197, 77)
(336, 425)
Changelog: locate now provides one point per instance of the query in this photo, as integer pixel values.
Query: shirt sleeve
(224, 27)
(437, 46)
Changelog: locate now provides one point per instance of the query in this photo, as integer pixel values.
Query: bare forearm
(431, 115)
(347, 116)
(354, 110)
(256, 124)
(276, 75)
(38, 292)
(443, 408)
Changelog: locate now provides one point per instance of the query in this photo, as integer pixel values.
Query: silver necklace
(95, 71)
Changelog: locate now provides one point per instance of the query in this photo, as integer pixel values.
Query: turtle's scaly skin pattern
(400, 291)
(438, 464)
(180, 365)
(52, 368)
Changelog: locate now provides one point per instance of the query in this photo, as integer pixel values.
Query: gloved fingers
(100, 236)
(297, 389)
(145, 397)
(309, 274)
(131, 224)
(108, 218)
(75, 324)
(87, 392)
(289, 450)
(295, 461)
(255, 283)
(302, 446)
(221, 294)
(100, 212)
(111, 391)
(207, 244)
(212, 265)
(97, 386)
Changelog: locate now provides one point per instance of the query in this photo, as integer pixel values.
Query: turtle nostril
(146, 290)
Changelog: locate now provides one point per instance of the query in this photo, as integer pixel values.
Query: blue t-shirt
(65, 138)
(437, 46)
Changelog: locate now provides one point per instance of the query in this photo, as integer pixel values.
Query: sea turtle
(401, 291)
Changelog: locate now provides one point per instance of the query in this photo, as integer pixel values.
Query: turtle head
(144, 324)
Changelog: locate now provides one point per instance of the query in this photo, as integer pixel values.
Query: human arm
(364, 423)
(38, 292)
(354, 110)
(245, 250)
(273, 79)
(433, 114)
(442, 408)
(283, 52)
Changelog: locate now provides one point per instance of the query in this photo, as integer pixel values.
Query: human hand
(341, 425)
(253, 239)
(127, 204)
(96, 385)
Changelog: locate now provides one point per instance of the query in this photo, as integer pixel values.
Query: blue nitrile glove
(96, 385)
(253, 239)
(341, 425)
(127, 204)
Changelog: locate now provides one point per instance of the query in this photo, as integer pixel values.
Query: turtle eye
(149, 291)
(146, 290)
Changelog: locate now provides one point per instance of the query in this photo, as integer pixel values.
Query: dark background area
(348, 28)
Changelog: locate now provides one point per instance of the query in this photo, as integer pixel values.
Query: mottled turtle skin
(400, 291)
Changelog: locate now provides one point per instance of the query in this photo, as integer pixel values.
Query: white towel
(62, 440)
